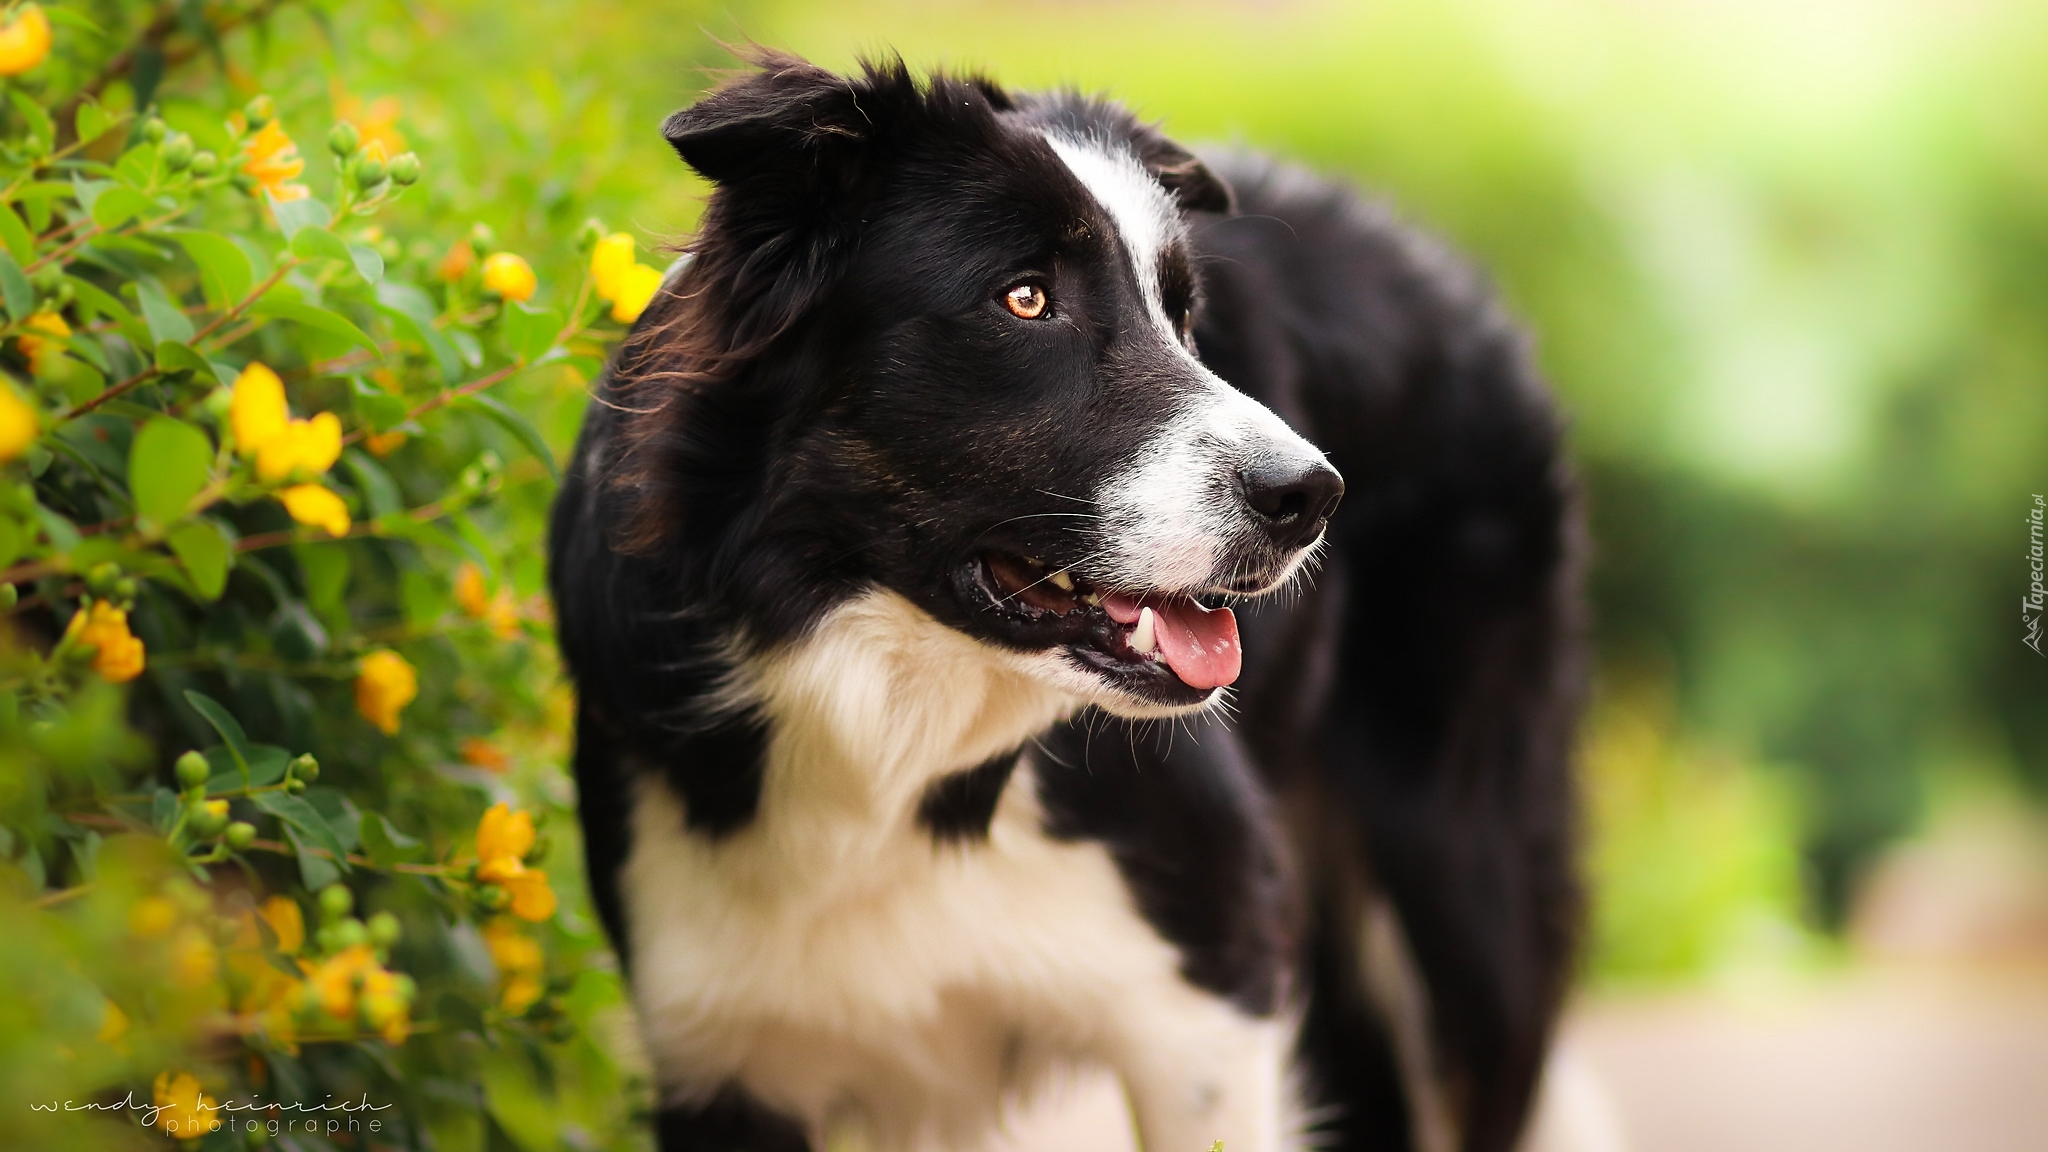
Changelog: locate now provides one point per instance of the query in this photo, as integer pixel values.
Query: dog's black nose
(1292, 500)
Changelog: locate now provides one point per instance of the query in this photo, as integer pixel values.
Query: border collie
(974, 682)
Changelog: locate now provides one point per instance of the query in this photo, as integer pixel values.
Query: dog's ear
(780, 122)
(1192, 183)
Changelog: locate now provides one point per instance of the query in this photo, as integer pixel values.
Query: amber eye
(1026, 301)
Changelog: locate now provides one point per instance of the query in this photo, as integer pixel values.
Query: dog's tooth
(1062, 581)
(1143, 639)
(1091, 599)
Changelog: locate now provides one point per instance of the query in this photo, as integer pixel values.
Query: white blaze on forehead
(1144, 215)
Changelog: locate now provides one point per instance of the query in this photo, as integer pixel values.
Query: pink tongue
(1198, 643)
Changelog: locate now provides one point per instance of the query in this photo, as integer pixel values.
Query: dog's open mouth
(1167, 645)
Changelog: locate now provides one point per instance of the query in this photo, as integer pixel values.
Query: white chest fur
(844, 968)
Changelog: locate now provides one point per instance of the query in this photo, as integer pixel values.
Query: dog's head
(937, 339)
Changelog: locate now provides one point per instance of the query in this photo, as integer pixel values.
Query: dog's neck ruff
(878, 701)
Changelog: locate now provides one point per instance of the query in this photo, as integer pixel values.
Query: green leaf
(412, 314)
(18, 293)
(292, 215)
(172, 356)
(72, 18)
(381, 497)
(369, 264)
(117, 206)
(296, 813)
(205, 553)
(378, 408)
(516, 1098)
(529, 332)
(92, 122)
(168, 464)
(310, 243)
(210, 711)
(224, 270)
(39, 123)
(88, 191)
(316, 872)
(383, 844)
(166, 320)
(518, 425)
(325, 568)
(267, 764)
(313, 317)
(20, 242)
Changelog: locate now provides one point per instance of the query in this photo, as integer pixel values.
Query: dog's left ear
(1192, 183)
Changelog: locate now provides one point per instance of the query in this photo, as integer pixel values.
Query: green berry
(384, 929)
(343, 139)
(176, 152)
(204, 163)
(153, 130)
(240, 835)
(407, 988)
(405, 168)
(193, 770)
(304, 767)
(335, 901)
(125, 588)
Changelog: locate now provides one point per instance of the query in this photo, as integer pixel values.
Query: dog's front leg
(1198, 1070)
(729, 1121)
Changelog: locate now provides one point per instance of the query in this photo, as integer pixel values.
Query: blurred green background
(1787, 265)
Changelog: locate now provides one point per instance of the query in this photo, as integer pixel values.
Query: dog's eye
(1026, 301)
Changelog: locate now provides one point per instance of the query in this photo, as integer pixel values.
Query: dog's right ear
(780, 122)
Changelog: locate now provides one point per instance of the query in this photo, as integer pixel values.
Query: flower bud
(405, 169)
(193, 770)
(384, 929)
(47, 278)
(240, 835)
(294, 786)
(335, 901)
(207, 818)
(260, 111)
(176, 152)
(9, 597)
(304, 767)
(408, 988)
(204, 163)
(588, 235)
(34, 148)
(350, 932)
(370, 170)
(125, 588)
(244, 182)
(343, 139)
(154, 129)
(492, 898)
(481, 236)
(100, 579)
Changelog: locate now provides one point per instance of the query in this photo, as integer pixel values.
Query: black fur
(730, 1121)
(830, 399)
(959, 807)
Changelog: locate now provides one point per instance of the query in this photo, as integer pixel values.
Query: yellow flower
(313, 445)
(286, 921)
(194, 960)
(117, 655)
(520, 964)
(503, 838)
(151, 917)
(183, 1110)
(385, 684)
(18, 424)
(39, 351)
(457, 263)
(332, 982)
(608, 264)
(25, 41)
(376, 122)
(273, 161)
(503, 614)
(320, 507)
(637, 286)
(382, 444)
(113, 1023)
(256, 410)
(264, 428)
(381, 1004)
(509, 276)
(471, 595)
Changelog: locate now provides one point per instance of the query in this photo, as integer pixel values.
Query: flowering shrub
(273, 669)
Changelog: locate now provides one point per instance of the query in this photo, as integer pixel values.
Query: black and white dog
(920, 751)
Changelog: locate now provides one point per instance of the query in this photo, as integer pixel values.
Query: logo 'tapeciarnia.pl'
(2036, 599)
